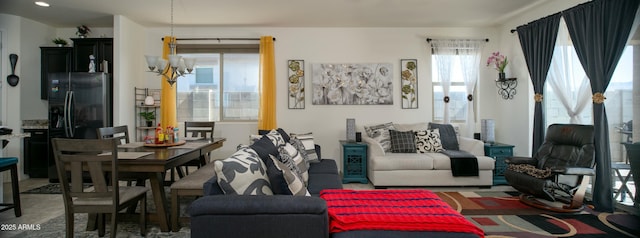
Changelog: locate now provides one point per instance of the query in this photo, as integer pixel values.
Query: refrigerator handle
(72, 129)
(66, 115)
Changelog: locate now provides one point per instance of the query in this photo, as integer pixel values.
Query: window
(619, 102)
(457, 92)
(223, 86)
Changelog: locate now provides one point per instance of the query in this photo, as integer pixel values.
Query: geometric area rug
(498, 214)
(127, 228)
(52, 188)
(501, 214)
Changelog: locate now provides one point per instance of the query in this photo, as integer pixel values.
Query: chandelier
(177, 66)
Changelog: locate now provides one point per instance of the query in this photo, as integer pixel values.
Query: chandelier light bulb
(152, 61)
(174, 60)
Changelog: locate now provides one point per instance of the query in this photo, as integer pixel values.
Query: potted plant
(59, 41)
(83, 30)
(148, 117)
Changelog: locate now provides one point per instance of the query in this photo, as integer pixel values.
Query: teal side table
(499, 152)
(354, 162)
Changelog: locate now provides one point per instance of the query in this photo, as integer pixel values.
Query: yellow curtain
(168, 100)
(267, 112)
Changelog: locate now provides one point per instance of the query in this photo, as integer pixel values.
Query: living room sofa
(278, 216)
(386, 169)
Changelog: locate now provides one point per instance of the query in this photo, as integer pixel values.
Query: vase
(501, 76)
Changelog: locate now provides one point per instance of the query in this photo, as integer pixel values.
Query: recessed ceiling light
(42, 4)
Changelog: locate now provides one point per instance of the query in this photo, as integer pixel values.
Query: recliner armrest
(574, 171)
(521, 160)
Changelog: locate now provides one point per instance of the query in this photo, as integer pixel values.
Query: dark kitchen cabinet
(53, 60)
(100, 48)
(36, 151)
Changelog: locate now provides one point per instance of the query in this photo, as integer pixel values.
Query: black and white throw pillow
(309, 146)
(275, 137)
(243, 173)
(402, 141)
(293, 159)
(428, 141)
(448, 135)
(380, 133)
(300, 147)
(288, 182)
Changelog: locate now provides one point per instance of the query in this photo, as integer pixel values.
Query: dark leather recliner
(559, 170)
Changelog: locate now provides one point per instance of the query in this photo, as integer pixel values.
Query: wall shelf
(507, 87)
(142, 129)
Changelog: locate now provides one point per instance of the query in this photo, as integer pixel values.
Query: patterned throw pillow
(402, 141)
(290, 157)
(254, 138)
(448, 135)
(284, 135)
(380, 133)
(293, 185)
(428, 141)
(275, 137)
(243, 173)
(309, 146)
(300, 147)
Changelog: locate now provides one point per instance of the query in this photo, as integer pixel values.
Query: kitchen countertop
(14, 135)
(35, 124)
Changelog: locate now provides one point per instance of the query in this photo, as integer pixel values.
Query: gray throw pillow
(447, 135)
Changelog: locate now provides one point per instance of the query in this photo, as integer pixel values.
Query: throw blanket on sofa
(462, 163)
(404, 210)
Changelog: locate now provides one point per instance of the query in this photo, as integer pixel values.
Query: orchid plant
(497, 61)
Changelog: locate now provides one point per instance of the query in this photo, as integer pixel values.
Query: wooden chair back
(199, 128)
(96, 156)
(119, 132)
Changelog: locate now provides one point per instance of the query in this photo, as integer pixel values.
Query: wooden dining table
(156, 160)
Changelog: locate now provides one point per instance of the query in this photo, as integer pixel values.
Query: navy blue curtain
(538, 40)
(600, 30)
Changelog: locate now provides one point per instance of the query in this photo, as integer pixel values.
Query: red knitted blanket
(406, 210)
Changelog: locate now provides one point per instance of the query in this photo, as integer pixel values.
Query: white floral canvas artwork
(352, 84)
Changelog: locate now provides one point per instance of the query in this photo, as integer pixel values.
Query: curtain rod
(218, 39)
(485, 39)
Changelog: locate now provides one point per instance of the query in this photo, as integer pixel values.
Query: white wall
(10, 116)
(33, 35)
(340, 45)
(128, 70)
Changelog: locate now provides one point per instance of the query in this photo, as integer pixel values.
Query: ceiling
(274, 13)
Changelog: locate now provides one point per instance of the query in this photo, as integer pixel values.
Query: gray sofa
(277, 216)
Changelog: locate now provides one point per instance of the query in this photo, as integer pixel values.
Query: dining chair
(202, 129)
(97, 156)
(121, 134)
(11, 164)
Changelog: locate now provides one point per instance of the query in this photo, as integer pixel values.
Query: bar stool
(11, 163)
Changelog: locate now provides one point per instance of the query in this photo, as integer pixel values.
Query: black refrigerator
(79, 104)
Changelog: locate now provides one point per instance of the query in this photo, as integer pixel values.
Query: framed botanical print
(409, 83)
(296, 84)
